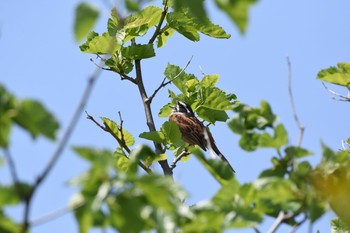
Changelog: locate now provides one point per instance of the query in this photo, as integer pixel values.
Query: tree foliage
(120, 191)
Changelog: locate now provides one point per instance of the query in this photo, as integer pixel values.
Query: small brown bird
(193, 131)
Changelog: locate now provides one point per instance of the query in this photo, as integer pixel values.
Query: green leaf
(120, 64)
(337, 226)
(165, 111)
(100, 44)
(13, 194)
(84, 216)
(219, 169)
(171, 132)
(132, 5)
(195, 8)
(164, 36)
(113, 22)
(5, 130)
(296, 152)
(155, 136)
(7, 225)
(189, 27)
(101, 158)
(237, 10)
(124, 135)
(211, 115)
(85, 19)
(279, 139)
(215, 99)
(210, 80)
(33, 116)
(172, 71)
(138, 52)
(139, 23)
(339, 75)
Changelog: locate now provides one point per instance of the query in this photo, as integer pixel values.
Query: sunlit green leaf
(339, 75)
(34, 117)
(100, 44)
(237, 10)
(123, 136)
(98, 157)
(172, 71)
(113, 22)
(212, 115)
(165, 111)
(85, 19)
(210, 80)
(195, 8)
(164, 36)
(139, 23)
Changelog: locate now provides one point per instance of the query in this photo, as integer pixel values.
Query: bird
(193, 131)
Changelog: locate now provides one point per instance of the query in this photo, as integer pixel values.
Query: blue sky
(40, 60)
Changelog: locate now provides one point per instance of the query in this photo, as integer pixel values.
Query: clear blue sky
(40, 60)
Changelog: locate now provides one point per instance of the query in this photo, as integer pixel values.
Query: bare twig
(164, 83)
(341, 97)
(56, 214)
(300, 126)
(121, 127)
(12, 166)
(58, 152)
(156, 32)
(178, 158)
(256, 230)
(298, 224)
(277, 222)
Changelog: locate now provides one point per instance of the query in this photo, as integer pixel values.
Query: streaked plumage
(193, 131)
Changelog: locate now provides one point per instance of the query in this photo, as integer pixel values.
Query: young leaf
(339, 75)
(237, 10)
(123, 135)
(279, 139)
(172, 71)
(85, 19)
(210, 80)
(139, 23)
(100, 44)
(33, 116)
(112, 24)
(7, 225)
(165, 111)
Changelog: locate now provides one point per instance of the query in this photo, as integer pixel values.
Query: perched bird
(193, 131)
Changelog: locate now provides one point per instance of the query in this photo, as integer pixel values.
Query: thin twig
(277, 222)
(342, 97)
(256, 230)
(156, 32)
(121, 127)
(163, 83)
(12, 166)
(300, 126)
(56, 214)
(178, 158)
(298, 224)
(120, 141)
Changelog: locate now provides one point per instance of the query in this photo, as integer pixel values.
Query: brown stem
(149, 116)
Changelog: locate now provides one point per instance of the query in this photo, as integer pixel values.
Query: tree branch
(164, 83)
(341, 97)
(56, 214)
(156, 32)
(149, 117)
(120, 141)
(296, 118)
(57, 153)
(178, 158)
